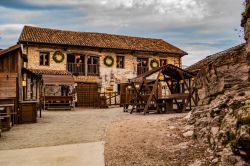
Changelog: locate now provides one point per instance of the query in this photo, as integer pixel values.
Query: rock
(196, 163)
(188, 127)
(188, 116)
(222, 120)
(214, 161)
(171, 127)
(214, 130)
(188, 133)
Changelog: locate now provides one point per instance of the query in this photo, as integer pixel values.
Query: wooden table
(167, 101)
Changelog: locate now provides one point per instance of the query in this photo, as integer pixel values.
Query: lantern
(24, 83)
(161, 77)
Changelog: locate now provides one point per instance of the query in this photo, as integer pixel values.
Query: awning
(52, 77)
(57, 79)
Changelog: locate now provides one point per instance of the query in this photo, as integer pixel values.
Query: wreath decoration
(154, 63)
(58, 56)
(108, 61)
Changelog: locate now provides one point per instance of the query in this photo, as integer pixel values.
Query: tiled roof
(211, 58)
(97, 40)
(12, 48)
(48, 72)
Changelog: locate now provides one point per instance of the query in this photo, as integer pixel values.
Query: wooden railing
(78, 68)
(141, 69)
(93, 70)
(112, 98)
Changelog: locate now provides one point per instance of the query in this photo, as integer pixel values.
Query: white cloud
(209, 23)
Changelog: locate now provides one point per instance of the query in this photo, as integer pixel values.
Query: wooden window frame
(47, 53)
(118, 64)
(142, 68)
(91, 64)
(162, 60)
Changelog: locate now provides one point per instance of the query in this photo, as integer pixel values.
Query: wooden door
(87, 95)
(123, 88)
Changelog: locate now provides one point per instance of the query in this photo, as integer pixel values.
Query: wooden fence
(111, 98)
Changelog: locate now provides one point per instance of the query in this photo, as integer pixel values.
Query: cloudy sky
(199, 27)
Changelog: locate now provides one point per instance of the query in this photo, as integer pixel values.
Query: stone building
(98, 62)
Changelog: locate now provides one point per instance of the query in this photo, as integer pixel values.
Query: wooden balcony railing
(76, 68)
(93, 70)
(141, 69)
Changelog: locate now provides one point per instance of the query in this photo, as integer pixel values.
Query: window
(142, 65)
(44, 58)
(120, 61)
(76, 64)
(93, 65)
(163, 62)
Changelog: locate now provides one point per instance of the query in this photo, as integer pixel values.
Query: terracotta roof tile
(49, 72)
(99, 40)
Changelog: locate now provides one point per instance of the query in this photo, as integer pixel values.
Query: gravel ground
(61, 127)
(152, 140)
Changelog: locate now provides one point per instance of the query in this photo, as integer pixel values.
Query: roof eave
(31, 42)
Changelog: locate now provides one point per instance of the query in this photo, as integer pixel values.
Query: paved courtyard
(61, 127)
(59, 138)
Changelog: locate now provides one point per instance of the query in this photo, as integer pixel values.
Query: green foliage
(231, 136)
(55, 56)
(108, 61)
(242, 94)
(245, 13)
(244, 121)
(236, 105)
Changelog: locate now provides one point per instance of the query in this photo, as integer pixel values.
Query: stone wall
(245, 23)
(222, 119)
(106, 73)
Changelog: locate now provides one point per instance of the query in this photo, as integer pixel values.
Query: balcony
(93, 70)
(141, 69)
(79, 69)
(76, 68)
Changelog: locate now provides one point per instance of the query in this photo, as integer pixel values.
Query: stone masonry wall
(106, 73)
(222, 119)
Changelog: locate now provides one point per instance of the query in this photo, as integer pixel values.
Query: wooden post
(152, 94)
(109, 98)
(116, 94)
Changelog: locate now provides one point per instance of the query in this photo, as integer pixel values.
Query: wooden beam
(152, 93)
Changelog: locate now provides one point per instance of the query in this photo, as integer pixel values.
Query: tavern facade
(98, 62)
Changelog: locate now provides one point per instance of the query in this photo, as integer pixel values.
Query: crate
(28, 112)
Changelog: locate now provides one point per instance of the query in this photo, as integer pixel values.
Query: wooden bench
(59, 102)
(5, 119)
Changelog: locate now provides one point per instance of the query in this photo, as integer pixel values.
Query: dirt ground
(152, 140)
(61, 127)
